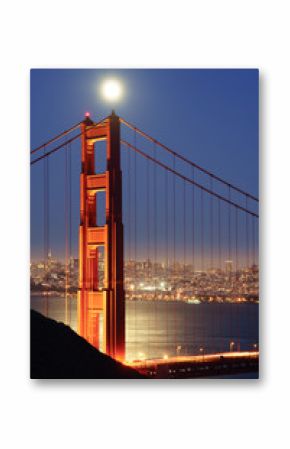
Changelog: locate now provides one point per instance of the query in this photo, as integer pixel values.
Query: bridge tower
(92, 301)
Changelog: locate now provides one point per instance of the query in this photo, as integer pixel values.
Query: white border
(150, 34)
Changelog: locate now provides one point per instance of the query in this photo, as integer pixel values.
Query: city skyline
(146, 279)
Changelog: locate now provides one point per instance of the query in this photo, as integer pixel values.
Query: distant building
(229, 266)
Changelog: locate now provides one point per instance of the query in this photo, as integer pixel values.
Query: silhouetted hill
(57, 352)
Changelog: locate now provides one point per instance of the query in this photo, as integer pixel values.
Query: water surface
(158, 328)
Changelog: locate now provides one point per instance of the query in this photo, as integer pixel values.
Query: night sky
(209, 116)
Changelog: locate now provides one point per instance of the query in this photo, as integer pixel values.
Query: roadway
(203, 365)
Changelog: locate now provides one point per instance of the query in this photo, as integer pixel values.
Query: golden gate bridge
(154, 227)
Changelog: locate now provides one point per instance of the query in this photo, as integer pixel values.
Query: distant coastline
(223, 299)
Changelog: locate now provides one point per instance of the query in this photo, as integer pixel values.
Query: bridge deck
(199, 365)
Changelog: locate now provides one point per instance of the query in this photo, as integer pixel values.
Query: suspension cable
(237, 278)
(147, 136)
(247, 235)
(193, 222)
(70, 223)
(202, 264)
(184, 261)
(205, 189)
(135, 232)
(174, 251)
(202, 228)
(166, 186)
(211, 224)
(148, 246)
(135, 213)
(48, 153)
(54, 139)
(46, 231)
(66, 230)
(229, 226)
(220, 270)
(255, 241)
(129, 206)
(231, 315)
(219, 236)
(155, 226)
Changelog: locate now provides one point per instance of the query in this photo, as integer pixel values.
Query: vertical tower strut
(92, 301)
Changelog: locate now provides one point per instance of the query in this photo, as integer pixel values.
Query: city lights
(214, 286)
(141, 356)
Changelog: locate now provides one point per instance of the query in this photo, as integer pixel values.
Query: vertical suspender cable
(211, 274)
(155, 240)
(155, 219)
(46, 229)
(129, 246)
(219, 236)
(253, 241)
(184, 265)
(247, 235)
(66, 230)
(194, 333)
(148, 308)
(231, 327)
(48, 250)
(220, 273)
(237, 276)
(250, 272)
(193, 223)
(129, 293)
(202, 228)
(229, 226)
(129, 206)
(70, 227)
(211, 224)
(135, 209)
(67, 219)
(174, 253)
(202, 263)
(254, 273)
(236, 248)
(166, 188)
(135, 226)
(249, 318)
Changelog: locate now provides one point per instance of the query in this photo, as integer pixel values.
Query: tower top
(87, 120)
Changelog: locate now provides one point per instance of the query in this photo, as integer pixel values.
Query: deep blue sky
(210, 116)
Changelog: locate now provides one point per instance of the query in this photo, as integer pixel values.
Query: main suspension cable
(48, 153)
(54, 139)
(188, 161)
(205, 189)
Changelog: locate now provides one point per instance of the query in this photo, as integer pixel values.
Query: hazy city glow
(149, 281)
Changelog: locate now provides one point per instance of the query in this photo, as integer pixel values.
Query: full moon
(111, 89)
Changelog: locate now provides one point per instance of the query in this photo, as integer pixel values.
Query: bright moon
(111, 90)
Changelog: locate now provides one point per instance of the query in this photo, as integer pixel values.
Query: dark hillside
(57, 352)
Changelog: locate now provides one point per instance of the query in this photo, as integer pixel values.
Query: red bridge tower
(92, 301)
